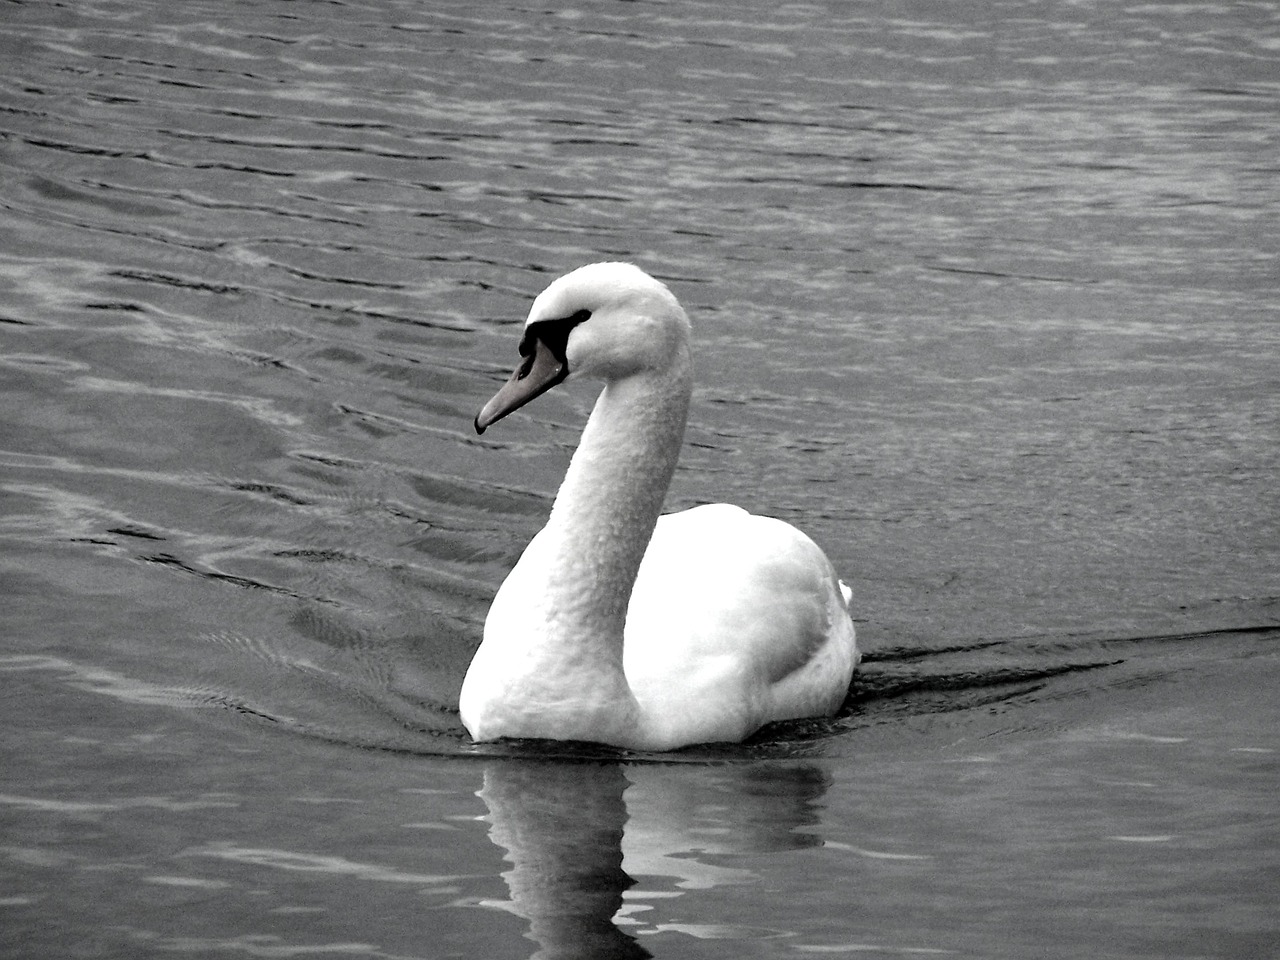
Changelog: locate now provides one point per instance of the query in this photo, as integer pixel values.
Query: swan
(624, 627)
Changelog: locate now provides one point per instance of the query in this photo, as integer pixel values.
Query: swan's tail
(846, 593)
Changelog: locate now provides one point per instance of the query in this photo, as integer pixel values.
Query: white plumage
(623, 627)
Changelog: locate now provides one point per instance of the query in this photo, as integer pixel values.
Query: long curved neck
(610, 500)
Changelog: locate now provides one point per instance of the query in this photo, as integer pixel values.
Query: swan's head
(605, 320)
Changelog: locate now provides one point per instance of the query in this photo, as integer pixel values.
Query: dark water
(985, 299)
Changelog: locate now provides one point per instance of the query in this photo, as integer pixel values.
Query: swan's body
(623, 627)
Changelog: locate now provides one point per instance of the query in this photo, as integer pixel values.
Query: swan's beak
(540, 370)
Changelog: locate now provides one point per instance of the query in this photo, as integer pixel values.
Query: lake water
(985, 300)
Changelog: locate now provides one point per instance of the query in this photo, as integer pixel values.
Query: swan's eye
(554, 334)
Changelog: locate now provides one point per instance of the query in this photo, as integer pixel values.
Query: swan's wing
(730, 604)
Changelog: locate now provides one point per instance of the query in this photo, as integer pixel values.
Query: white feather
(620, 627)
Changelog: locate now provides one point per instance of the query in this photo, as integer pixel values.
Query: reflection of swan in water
(730, 620)
(561, 825)
(584, 837)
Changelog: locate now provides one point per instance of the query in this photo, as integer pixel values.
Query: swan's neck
(610, 500)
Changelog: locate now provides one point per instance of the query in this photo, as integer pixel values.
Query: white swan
(622, 627)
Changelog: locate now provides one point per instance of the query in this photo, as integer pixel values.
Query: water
(984, 298)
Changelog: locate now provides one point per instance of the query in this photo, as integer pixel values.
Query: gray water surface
(984, 299)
